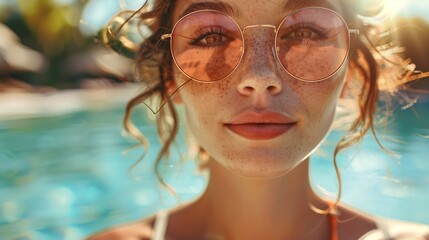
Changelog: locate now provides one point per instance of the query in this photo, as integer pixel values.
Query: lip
(260, 125)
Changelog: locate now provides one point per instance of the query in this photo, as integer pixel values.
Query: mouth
(259, 131)
(260, 125)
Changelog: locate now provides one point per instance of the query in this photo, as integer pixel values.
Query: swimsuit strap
(333, 222)
(334, 226)
(160, 227)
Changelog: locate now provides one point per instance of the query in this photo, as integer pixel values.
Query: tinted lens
(312, 43)
(207, 45)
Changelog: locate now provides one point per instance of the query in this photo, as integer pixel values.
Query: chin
(261, 169)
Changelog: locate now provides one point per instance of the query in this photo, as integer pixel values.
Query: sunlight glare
(415, 8)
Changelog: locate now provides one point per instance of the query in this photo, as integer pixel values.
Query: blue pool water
(64, 177)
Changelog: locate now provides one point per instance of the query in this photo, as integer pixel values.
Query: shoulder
(396, 229)
(140, 230)
(171, 223)
(354, 224)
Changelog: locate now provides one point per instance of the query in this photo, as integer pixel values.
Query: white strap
(161, 222)
(389, 229)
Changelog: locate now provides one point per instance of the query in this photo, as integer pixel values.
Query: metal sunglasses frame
(275, 29)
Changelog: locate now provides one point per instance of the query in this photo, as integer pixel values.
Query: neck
(277, 208)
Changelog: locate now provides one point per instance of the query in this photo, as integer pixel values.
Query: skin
(260, 83)
(257, 189)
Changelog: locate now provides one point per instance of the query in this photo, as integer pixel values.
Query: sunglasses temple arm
(165, 101)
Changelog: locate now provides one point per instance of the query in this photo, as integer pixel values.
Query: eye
(303, 33)
(213, 39)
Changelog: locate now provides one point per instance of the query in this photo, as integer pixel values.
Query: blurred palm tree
(54, 24)
(49, 27)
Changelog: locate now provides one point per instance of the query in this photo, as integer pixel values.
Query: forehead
(257, 10)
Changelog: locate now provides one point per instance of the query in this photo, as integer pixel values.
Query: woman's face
(259, 122)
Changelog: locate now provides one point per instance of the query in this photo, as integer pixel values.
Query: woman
(259, 81)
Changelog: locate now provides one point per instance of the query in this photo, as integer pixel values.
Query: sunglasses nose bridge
(260, 26)
(258, 43)
(265, 27)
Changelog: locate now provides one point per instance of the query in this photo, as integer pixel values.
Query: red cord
(334, 226)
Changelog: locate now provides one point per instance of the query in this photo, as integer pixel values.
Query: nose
(259, 65)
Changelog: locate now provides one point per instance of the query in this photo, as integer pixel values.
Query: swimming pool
(64, 176)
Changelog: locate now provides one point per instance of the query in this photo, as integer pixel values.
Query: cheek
(313, 65)
(208, 64)
(204, 102)
(325, 99)
(322, 100)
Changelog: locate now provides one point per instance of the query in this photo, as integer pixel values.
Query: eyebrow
(212, 5)
(229, 9)
(297, 4)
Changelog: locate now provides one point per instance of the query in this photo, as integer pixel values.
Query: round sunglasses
(311, 44)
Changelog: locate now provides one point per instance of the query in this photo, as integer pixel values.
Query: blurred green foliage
(51, 28)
